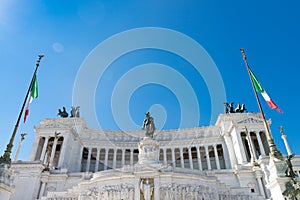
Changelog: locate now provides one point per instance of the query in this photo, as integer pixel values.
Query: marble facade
(202, 163)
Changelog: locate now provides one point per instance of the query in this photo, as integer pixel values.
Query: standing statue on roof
(149, 125)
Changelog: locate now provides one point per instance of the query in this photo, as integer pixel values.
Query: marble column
(207, 158)
(88, 162)
(106, 158)
(123, 157)
(79, 160)
(216, 157)
(44, 149)
(34, 148)
(260, 144)
(165, 155)
(53, 151)
(18, 150)
(181, 157)
(252, 146)
(62, 152)
(173, 157)
(227, 146)
(97, 160)
(242, 149)
(287, 146)
(190, 158)
(115, 158)
(131, 157)
(199, 158)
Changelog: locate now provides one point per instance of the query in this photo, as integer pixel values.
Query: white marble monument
(210, 162)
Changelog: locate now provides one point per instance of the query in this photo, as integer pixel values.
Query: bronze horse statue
(239, 109)
(149, 125)
(63, 113)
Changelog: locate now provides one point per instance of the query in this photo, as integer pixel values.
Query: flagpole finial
(243, 53)
(39, 59)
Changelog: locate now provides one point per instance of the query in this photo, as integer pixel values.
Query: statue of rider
(149, 125)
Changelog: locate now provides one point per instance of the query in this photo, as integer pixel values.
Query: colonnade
(49, 150)
(205, 157)
(98, 159)
(255, 144)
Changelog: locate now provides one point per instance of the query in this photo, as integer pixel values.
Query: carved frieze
(250, 121)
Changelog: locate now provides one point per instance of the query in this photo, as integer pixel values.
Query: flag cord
(5, 159)
(273, 150)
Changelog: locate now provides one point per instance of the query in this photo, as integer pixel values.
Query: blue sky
(67, 32)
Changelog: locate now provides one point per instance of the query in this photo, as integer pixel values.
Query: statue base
(148, 152)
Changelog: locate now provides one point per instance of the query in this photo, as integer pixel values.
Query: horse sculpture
(243, 109)
(75, 111)
(231, 109)
(239, 109)
(149, 125)
(63, 113)
(226, 105)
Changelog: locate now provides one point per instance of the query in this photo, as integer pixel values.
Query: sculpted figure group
(74, 112)
(229, 108)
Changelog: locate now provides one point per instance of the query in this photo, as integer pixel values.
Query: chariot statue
(229, 108)
(63, 113)
(75, 111)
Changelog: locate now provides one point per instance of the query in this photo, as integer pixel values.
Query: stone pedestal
(148, 152)
(147, 170)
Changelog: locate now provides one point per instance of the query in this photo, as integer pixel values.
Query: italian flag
(33, 95)
(258, 87)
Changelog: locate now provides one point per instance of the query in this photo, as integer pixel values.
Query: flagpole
(273, 150)
(5, 159)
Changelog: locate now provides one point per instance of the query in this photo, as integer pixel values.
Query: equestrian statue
(149, 125)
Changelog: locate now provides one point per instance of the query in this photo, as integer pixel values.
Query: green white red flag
(33, 95)
(258, 88)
